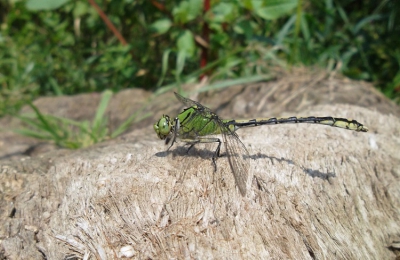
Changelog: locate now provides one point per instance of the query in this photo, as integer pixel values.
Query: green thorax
(194, 121)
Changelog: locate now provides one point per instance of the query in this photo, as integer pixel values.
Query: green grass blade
(125, 125)
(29, 120)
(228, 83)
(45, 122)
(180, 64)
(164, 67)
(285, 31)
(33, 134)
(192, 77)
(98, 121)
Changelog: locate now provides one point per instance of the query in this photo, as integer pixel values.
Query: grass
(73, 134)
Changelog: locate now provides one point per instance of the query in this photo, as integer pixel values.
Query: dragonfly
(198, 124)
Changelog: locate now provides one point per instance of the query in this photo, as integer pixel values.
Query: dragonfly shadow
(264, 156)
(319, 174)
(310, 172)
(184, 151)
(162, 154)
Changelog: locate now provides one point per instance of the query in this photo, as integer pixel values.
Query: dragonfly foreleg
(175, 130)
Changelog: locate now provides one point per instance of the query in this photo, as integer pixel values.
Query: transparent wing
(189, 103)
(238, 158)
(237, 154)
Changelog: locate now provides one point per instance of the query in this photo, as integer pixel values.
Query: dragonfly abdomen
(328, 120)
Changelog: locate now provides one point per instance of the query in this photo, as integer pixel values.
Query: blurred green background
(63, 47)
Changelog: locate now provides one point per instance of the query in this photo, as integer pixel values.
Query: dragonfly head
(163, 127)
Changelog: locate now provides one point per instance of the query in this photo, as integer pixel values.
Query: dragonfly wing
(238, 158)
(190, 103)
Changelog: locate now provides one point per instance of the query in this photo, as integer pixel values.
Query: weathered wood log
(317, 193)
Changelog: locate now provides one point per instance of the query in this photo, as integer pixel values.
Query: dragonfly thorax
(164, 127)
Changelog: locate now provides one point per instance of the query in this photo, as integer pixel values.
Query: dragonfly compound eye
(162, 127)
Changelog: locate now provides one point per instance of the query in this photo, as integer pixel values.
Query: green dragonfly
(198, 124)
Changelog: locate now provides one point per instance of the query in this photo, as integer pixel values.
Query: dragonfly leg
(190, 147)
(204, 140)
(216, 154)
(191, 142)
(174, 133)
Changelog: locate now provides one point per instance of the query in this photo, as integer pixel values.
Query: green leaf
(187, 10)
(80, 9)
(223, 12)
(180, 64)
(244, 27)
(274, 9)
(38, 5)
(161, 26)
(186, 43)
(248, 4)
